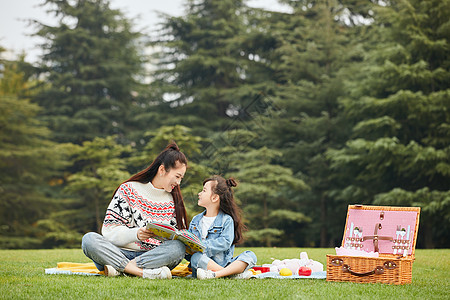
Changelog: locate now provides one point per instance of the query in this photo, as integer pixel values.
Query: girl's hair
(168, 158)
(222, 188)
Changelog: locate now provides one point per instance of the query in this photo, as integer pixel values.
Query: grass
(22, 277)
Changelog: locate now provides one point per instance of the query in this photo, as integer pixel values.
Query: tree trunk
(265, 218)
(323, 222)
(428, 236)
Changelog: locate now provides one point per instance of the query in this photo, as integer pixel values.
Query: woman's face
(170, 179)
(205, 196)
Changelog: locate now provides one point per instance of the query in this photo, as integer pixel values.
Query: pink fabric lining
(367, 219)
(353, 252)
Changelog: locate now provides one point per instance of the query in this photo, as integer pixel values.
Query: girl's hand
(144, 234)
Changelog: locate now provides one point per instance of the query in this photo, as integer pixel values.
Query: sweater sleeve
(118, 227)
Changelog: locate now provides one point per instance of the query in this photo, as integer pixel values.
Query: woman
(152, 195)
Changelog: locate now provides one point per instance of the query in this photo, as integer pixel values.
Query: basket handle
(378, 271)
(390, 265)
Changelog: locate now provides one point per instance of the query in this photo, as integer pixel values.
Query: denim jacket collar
(218, 221)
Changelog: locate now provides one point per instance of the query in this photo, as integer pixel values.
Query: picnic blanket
(182, 270)
(70, 268)
(314, 275)
(89, 269)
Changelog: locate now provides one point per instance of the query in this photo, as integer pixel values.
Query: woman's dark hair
(168, 158)
(222, 188)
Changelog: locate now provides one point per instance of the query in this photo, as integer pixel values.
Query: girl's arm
(223, 242)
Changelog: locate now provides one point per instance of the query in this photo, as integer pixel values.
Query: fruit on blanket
(285, 272)
(304, 271)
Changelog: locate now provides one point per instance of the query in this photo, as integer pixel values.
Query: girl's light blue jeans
(102, 252)
(200, 260)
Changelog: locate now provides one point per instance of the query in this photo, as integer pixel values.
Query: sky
(15, 30)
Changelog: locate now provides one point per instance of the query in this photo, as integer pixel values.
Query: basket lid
(382, 229)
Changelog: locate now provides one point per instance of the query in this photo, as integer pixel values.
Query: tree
(263, 190)
(102, 167)
(28, 160)
(90, 62)
(202, 68)
(311, 51)
(399, 152)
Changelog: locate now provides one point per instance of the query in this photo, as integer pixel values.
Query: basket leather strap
(376, 237)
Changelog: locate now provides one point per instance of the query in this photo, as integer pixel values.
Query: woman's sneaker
(158, 273)
(205, 274)
(110, 271)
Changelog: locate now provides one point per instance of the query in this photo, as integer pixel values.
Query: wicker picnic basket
(390, 231)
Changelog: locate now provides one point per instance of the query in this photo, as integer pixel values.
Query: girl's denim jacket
(218, 242)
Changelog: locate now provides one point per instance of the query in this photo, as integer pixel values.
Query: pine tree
(201, 71)
(103, 166)
(264, 187)
(91, 58)
(28, 160)
(311, 52)
(399, 153)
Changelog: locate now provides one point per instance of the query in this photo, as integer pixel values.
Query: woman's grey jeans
(102, 252)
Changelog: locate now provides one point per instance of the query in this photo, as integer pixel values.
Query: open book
(168, 232)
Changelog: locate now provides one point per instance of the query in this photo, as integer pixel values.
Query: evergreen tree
(202, 70)
(28, 160)
(399, 153)
(311, 53)
(90, 62)
(264, 188)
(102, 163)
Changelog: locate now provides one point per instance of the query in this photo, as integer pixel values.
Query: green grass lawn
(22, 277)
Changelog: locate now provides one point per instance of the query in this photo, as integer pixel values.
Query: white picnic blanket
(314, 275)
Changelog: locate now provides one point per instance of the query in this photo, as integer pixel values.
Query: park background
(332, 103)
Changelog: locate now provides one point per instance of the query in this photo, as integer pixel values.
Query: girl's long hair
(222, 188)
(168, 158)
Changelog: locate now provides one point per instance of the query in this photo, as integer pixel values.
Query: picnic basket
(390, 231)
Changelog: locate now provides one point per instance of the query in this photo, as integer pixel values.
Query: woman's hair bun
(231, 182)
(173, 146)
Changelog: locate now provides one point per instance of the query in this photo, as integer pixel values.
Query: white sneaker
(205, 274)
(110, 271)
(158, 273)
(244, 275)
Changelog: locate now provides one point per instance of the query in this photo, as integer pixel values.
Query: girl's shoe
(158, 273)
(244, 275)
(205, 274)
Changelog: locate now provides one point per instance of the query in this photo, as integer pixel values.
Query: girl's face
(170, 179)
(205, 197)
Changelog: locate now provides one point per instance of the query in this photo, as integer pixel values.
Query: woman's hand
(144, 234)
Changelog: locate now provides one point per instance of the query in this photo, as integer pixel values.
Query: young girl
(220, 228)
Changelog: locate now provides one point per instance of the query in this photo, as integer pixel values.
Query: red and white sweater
(133, 206)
